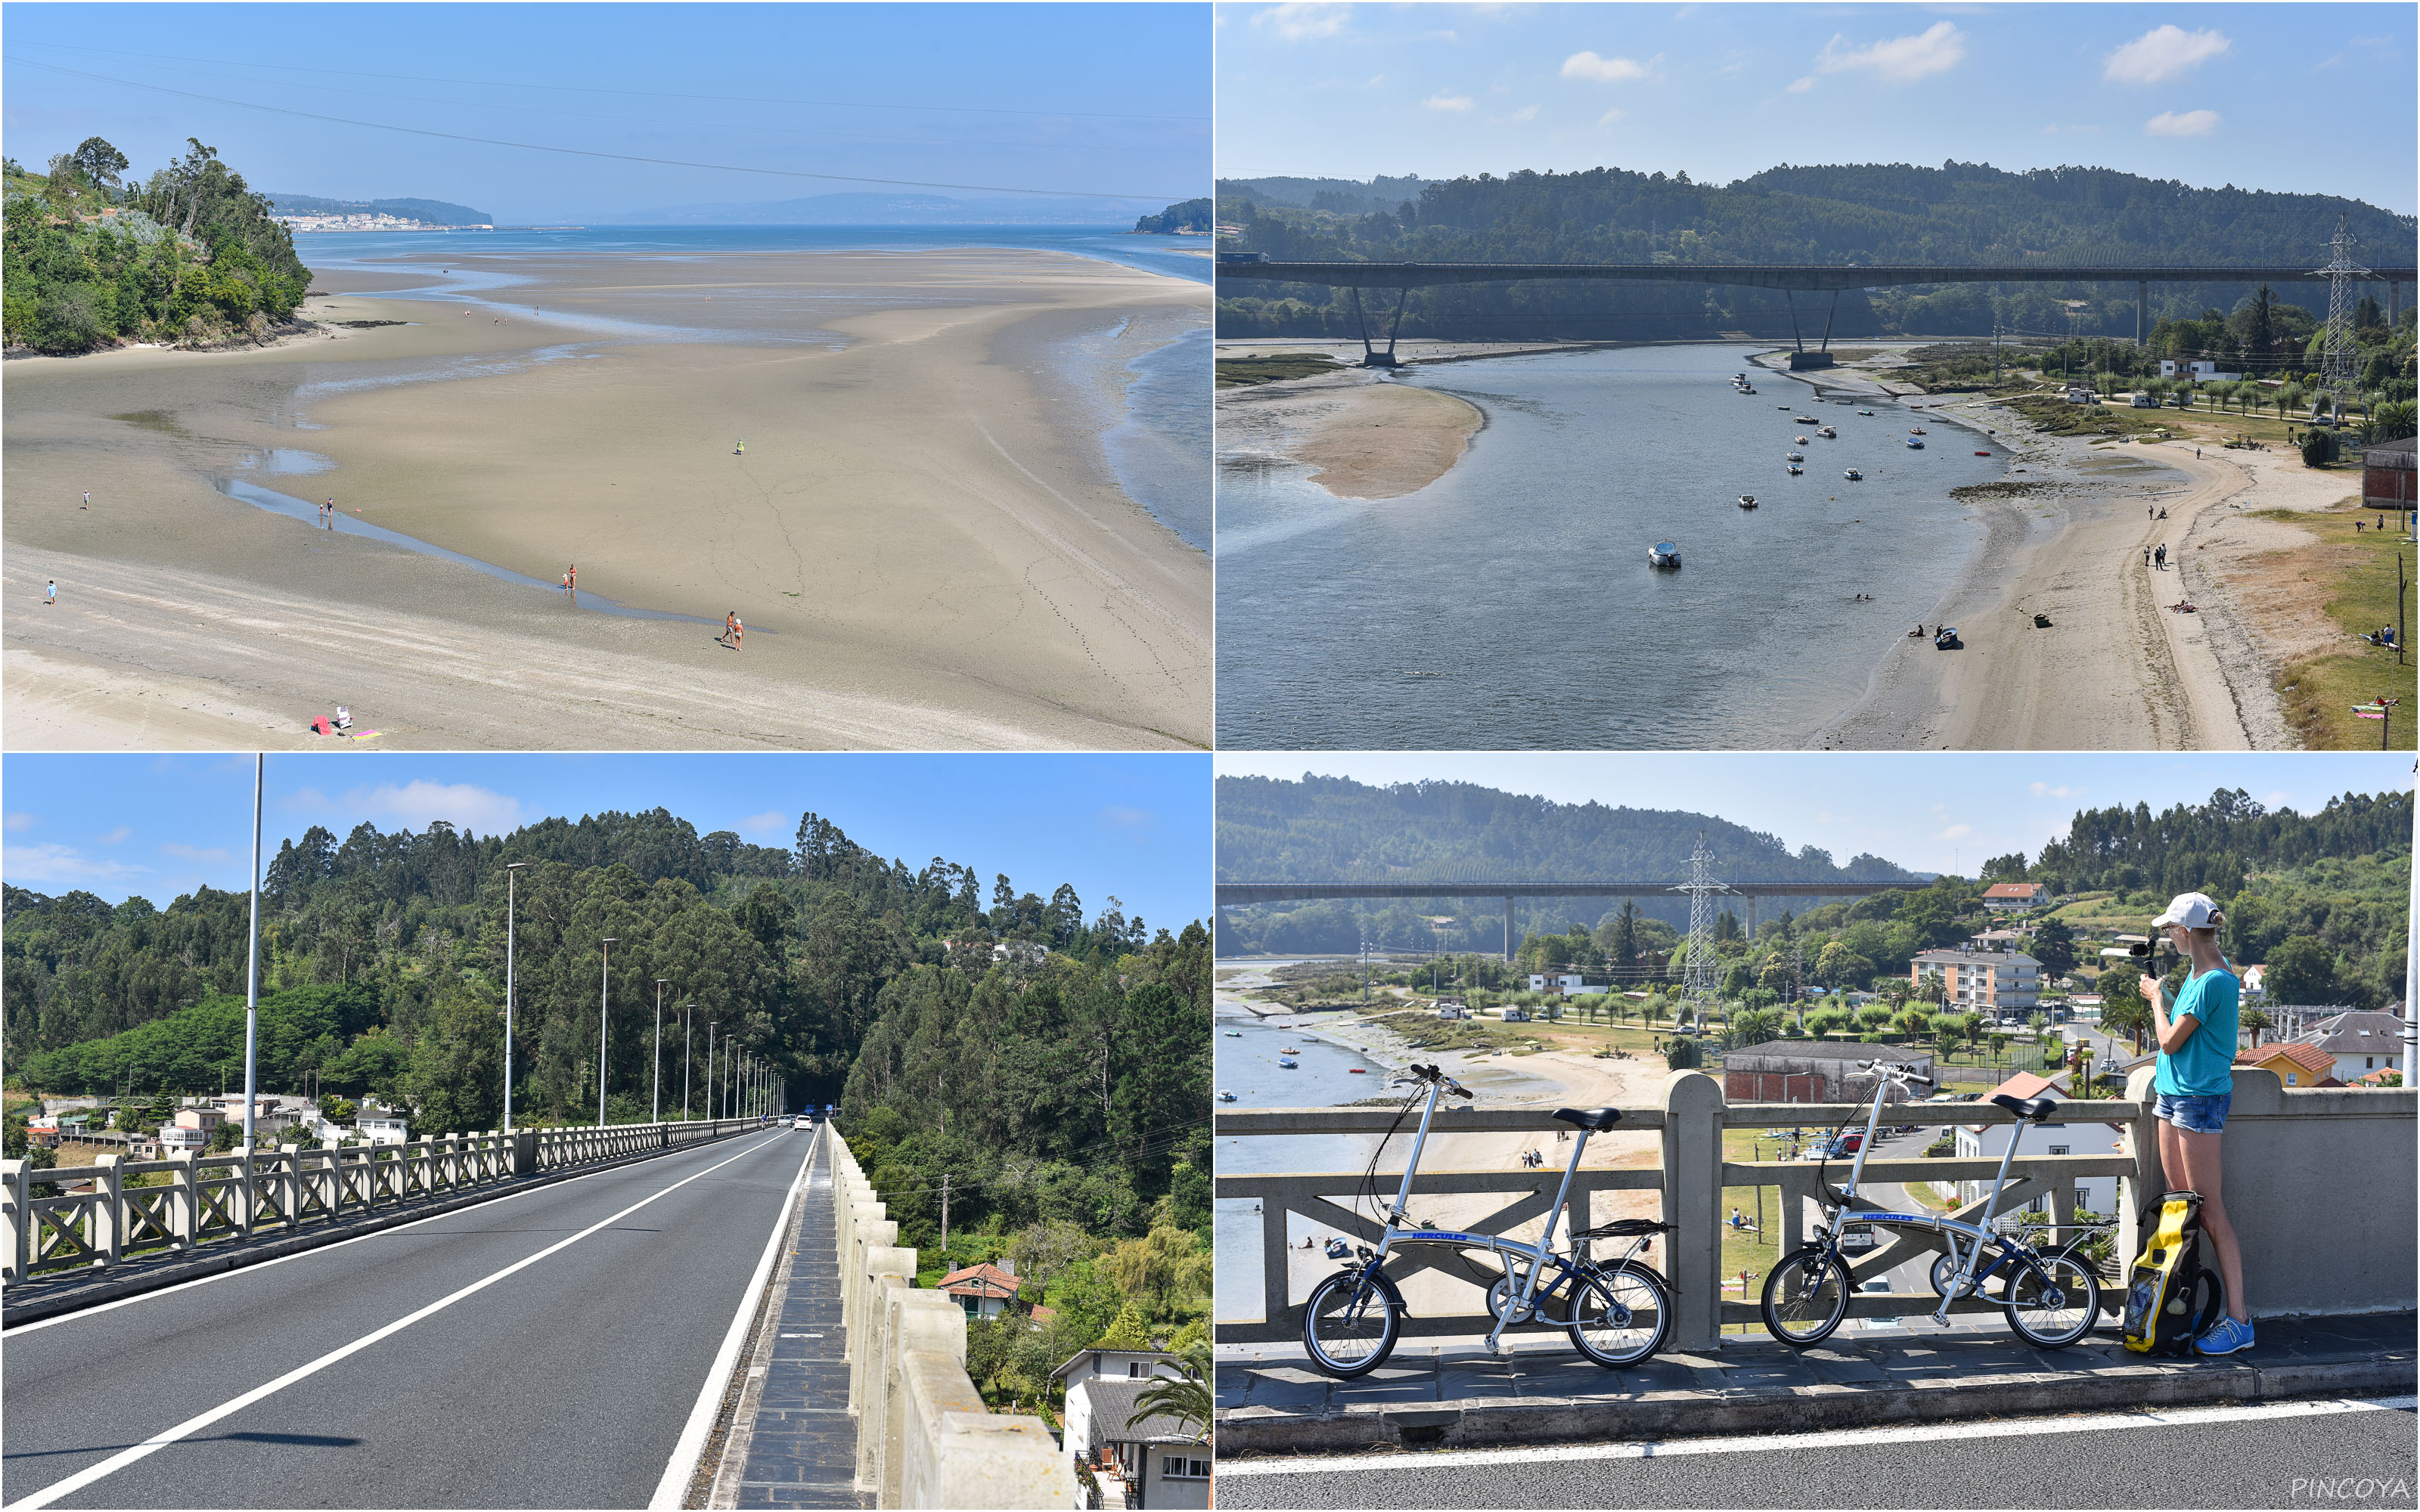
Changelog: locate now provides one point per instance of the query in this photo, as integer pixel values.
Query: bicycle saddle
(1589, 1117)
(2035, 1108)
(1625, 1228)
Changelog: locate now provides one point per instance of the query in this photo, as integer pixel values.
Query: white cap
(2194, 910)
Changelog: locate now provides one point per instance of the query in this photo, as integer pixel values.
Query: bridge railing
(115, 1209)
(2281, 1144)
(924, 1438)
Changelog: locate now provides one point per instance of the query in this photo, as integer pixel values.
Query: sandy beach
(2117, 668)
(923, 531)
(1367, 438)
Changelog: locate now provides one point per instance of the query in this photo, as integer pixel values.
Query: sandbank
(923, 519)
(1367, 438)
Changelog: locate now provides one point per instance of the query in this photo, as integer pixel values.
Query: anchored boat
(1663, 554)
(1851, 474)
(1747, 501)
(1915, 445)
(1285, 1063)
(1795, 471)
(1794, 456)
(1828, 433)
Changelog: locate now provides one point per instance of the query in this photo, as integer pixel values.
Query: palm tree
(1186, 1400)
(2256, 1020)
(2129, 1016)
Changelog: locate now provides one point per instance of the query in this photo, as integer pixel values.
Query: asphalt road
(2254, 1456)
(566, 1383)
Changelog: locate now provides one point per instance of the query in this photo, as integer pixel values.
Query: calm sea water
(1158, 446)
(1509, 604)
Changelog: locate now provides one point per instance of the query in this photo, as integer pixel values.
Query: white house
(1988, 1141)
(2004, 897)
(984, 1291)
(2199, 371)
(2359, 1040)
(1561, 983)
(1146, 1463)
(376, 1125)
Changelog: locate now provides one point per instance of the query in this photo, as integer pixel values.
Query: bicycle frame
(1398, 1229)
(1967, 1279)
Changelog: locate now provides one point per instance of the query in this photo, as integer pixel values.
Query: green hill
(1193, 215)
(431, 211)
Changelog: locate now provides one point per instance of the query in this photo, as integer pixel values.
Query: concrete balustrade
(924, 1436)
(2320, 1184)
(208, 1198)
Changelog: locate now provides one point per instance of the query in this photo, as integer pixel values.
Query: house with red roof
(985, 1290)
(2296, 1063)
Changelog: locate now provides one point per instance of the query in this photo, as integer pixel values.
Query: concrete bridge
(1244, 894)
(1791, 278)
(652, 1315)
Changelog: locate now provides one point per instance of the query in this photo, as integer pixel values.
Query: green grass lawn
(2356, 572)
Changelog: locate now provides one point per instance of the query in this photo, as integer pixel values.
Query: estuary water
(1509, 604)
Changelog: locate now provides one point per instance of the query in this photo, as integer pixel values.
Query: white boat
(1851, 474)
(1285, 1064)
(1828, 433)
(1798, 441)
(1794, 456)
(1226, 1097)
(1795, 471)
(1663, 554)
(1747, 501)
(1915, 445)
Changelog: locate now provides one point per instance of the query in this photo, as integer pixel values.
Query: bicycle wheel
(2054, 1301)
(1806, 1297)
(1349, 1325)
(1619, 1317)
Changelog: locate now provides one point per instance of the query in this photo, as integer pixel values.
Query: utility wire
(644, 94)
(616, 157)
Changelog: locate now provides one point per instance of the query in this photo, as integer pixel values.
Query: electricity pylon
(2336, 346)
(1698, 984)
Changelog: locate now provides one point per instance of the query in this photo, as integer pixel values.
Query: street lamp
(656, 1098)
(604, 998)
(512, 880)
(684, 1008)
(712, 1085)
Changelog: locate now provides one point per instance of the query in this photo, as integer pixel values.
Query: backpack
(2166, 1294)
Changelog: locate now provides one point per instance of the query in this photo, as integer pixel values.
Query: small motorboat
(1868, 414)
(1802, 420)
(1286, 1063)
(1794, 456)
(1982, 454)
(1797, 472)
(1828, 433)
(1739, 378)
(1226, 1097)
(1917, 430)
(1747, 501)
(1663, 554)
(1235, 1034)
(1798, 441)
(1355, 1070)
(1915, 445)
(1745, 389)
(1946, 638)
(1288, 1050)
(1851, 474)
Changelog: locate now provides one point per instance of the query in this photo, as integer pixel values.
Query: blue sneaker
(2224, 1336)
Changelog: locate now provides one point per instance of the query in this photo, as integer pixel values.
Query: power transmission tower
(1698, 984)
(2336, 342)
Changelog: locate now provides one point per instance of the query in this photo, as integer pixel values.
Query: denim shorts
(2192, 1113)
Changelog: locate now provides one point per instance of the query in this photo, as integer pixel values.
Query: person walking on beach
(571, 579)
(2146, 556)
(51, 595)
(87, 499)
(738, 630)
(2159, 558)
(730, 625)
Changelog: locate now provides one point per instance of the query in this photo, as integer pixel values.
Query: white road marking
(158, 1441)
(97, 1308)
(682, 1467)
(1446, 1459)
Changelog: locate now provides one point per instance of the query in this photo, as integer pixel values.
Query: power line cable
(616, 157)
(644, 94)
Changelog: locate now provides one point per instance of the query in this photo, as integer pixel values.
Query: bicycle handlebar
(1431, 1074)
(1895, 1070)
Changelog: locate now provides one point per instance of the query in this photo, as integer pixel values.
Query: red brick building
(2387, 475)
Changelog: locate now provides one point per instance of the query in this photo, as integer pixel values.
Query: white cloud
(1608, 69)
(418, 802)
(2161, 53)
(1441, 101)
(1937, 49)
(304, 798)
(1527, 113)
(62, 863)
(2043, 789)
(117, 836)
(771, 823)
(19, 821)
(1799, 87)
(215, 856)
(2192, 123)
(1956, 832)
(1610, 117)
(1301, 21)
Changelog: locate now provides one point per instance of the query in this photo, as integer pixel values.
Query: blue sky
(1135, 826)
(1927, 810)
(2202, 93)
(1096, 99)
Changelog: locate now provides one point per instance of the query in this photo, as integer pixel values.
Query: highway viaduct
(1789, 278)
(1244, 894)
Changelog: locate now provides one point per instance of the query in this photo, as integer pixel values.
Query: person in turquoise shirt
(2194, 1085)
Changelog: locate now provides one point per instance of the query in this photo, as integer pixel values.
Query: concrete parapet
(924, 1437)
